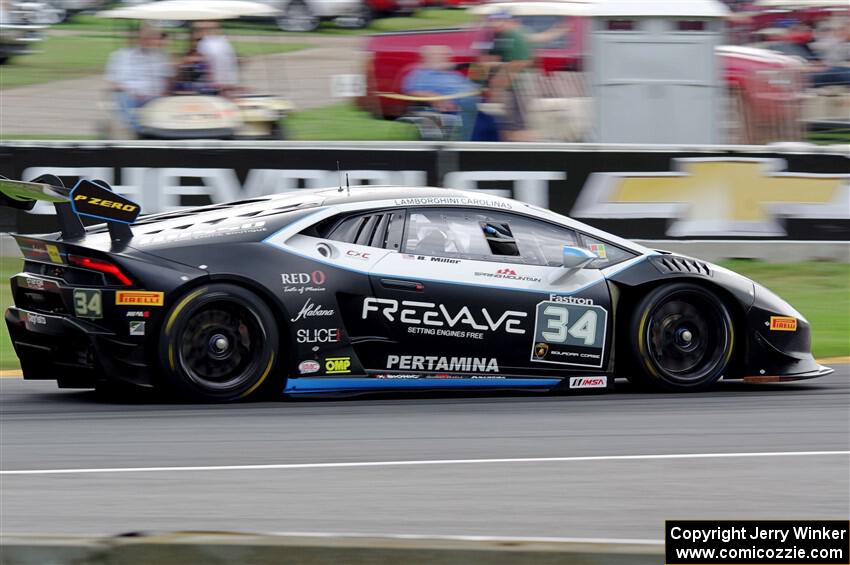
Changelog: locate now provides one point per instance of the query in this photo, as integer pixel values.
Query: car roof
(375, 193)
(330, 201)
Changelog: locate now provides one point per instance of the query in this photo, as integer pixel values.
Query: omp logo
(105, 203)
(337, 365)
(717, 196)
(588, 382)
(139, 298)
(783, 324)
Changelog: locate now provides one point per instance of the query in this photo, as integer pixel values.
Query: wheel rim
(220, 346)
(54, 14)
(298, 18)
(687, 337)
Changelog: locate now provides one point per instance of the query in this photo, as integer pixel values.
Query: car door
(482, 293)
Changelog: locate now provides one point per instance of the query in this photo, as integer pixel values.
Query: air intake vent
(676, 264)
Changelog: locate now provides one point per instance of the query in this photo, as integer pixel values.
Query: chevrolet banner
(755, 193)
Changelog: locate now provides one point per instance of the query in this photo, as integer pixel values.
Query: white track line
(283, 466)
(446, 537)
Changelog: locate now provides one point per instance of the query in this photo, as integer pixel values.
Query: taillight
(105, 267)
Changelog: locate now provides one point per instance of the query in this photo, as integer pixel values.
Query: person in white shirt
(138, 74)
(216, 49)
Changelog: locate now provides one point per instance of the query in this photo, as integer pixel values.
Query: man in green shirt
(512, 49)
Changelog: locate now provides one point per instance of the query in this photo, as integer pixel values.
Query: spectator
(436, 78)
(833, 49)
(193, 70)
(224, 66)
(139, 74)
(512, 50)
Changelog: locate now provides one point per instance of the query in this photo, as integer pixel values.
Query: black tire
(297, 16)
(363, 18)
(219, 343)
(277, 132)
(55, 13)
(681, 338)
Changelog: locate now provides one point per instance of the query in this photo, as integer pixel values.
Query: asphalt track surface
(43, 429)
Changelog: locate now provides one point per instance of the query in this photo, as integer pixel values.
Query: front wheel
(681, 338)
(219, 343)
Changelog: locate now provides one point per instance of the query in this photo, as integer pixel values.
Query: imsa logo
(588, 382)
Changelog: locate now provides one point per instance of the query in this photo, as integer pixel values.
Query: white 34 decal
(558, 319)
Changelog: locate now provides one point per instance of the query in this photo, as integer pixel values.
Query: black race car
(343, 291)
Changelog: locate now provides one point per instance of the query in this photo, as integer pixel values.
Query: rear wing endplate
(89, 198)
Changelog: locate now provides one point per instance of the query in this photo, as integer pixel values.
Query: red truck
(765, 87)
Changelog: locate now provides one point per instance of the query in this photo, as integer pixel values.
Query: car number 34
(558, 317)
(88, 303)
(569, 334)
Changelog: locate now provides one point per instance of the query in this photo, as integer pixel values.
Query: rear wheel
(681, 338)
(55, 13)
(219, 343)
(297, 16)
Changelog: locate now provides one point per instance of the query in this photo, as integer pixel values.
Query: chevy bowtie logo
(717, 196)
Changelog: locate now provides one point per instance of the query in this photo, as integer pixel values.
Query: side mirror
(576, 257)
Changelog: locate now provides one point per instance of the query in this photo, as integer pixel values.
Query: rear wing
(89, 198)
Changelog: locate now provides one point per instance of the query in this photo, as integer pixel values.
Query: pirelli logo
(139, 298)
(98, 201)
(102, 203)
(783, 324)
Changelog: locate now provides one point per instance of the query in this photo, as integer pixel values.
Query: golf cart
(199, 115)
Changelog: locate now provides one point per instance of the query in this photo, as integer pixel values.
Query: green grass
(63, 57)
(830, 137)
(344, 122)
(423, 19)
(820, 291)
(340, 122)
(8, 267)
